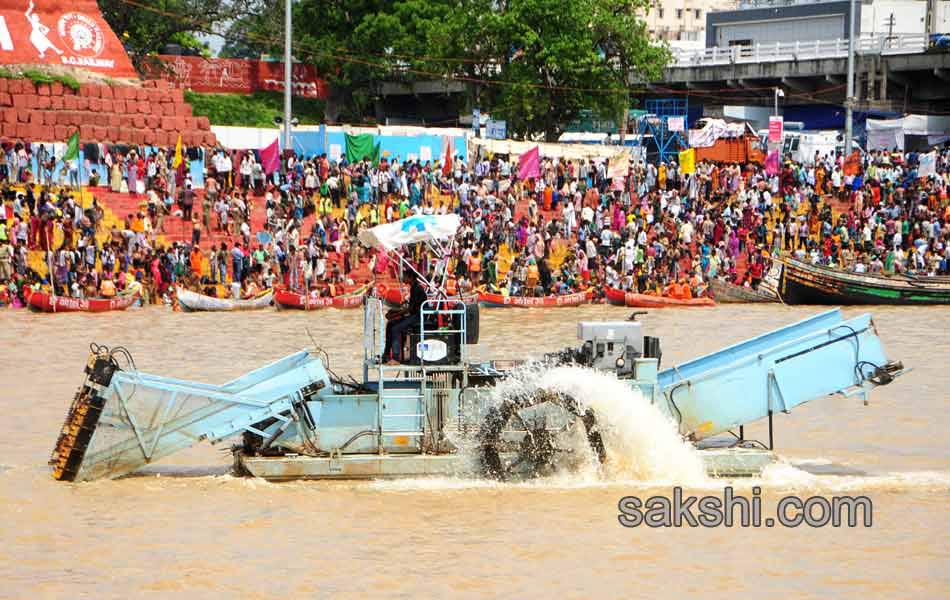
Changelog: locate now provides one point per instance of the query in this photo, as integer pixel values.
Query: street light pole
(849, 100)
(288, 64)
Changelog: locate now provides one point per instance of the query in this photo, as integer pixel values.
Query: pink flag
(772, 163)
(270, 158)
(529, 164)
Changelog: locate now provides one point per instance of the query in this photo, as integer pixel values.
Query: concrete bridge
(897, 73)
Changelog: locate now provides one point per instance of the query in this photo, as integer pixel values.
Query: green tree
(326, 35)
(535, 63)
(148, 25)
(554, 69)
(620, 33)
(254, 33)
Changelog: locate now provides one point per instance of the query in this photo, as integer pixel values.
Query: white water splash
(642, 444)
(786, 477)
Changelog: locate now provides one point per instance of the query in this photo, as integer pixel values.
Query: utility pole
(931, 18)
(288, 66)
(849, 100)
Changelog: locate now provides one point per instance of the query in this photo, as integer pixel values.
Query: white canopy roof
(913, 124)
(411, 230)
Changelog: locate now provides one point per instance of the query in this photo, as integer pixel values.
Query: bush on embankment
(255, 110)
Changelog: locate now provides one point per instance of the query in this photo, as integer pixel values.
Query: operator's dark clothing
(417, 296)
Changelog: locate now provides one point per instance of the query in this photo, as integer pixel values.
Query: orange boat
(632, 299)
(393, 296)
(396, 296)
(501, 301)
(289, 299)
(41, 301)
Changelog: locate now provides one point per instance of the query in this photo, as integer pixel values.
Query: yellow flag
(176, 162)
(688, 161)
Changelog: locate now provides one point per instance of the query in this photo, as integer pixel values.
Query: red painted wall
(66, 33)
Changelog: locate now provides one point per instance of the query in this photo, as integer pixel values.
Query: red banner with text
(238, 76)
(68, 34)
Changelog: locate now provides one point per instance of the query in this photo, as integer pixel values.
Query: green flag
(72, 147)
(361, 146)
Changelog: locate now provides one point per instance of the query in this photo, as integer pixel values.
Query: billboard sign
(70, 34)
(776, 128)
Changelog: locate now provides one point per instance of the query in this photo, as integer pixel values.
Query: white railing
(794, 51)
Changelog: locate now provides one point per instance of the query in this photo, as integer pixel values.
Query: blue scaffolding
(656, 124)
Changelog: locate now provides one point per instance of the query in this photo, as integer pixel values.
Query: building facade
(789, 21)
(682, 20)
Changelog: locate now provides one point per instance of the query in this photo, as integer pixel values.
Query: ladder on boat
(401, 407)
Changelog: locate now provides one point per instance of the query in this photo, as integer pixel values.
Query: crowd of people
(656, 231)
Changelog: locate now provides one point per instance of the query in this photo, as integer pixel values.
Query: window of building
(679, 13)
(699, 12)
(659, 12)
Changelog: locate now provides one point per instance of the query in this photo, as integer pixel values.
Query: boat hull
(807, 284)
(634, 300)
(727, 293)
(192, 302)
(719, 462)
(43, 302)
(293, 300)
(501, 301)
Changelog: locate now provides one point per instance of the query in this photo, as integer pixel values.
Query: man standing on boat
(409, 319)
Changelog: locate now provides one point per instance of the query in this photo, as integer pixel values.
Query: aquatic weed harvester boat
(295, 419)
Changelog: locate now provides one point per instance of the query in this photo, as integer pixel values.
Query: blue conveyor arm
(137, 418)
(824, 354)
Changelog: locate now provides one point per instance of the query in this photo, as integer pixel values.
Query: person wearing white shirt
(568, 213)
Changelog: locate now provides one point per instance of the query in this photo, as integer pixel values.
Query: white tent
(886, 134)
(568, 151)
(713, 129)
(579, 137)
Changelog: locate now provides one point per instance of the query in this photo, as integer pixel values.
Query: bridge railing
(799, 50)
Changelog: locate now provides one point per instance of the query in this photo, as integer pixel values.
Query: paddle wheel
(550, 423)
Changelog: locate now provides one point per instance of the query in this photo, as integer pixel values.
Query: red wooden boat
(632, 299)
(395, 297)
(289, 299)
(499, 300)
(41, 301)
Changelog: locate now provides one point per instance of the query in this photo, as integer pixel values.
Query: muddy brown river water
(186, 528)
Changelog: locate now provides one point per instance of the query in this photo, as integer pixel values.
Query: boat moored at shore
(44, 302)
(192, 301)
(501, 301)
(635, 300)
(802, 283)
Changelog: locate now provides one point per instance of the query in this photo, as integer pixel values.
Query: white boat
(193, 301)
